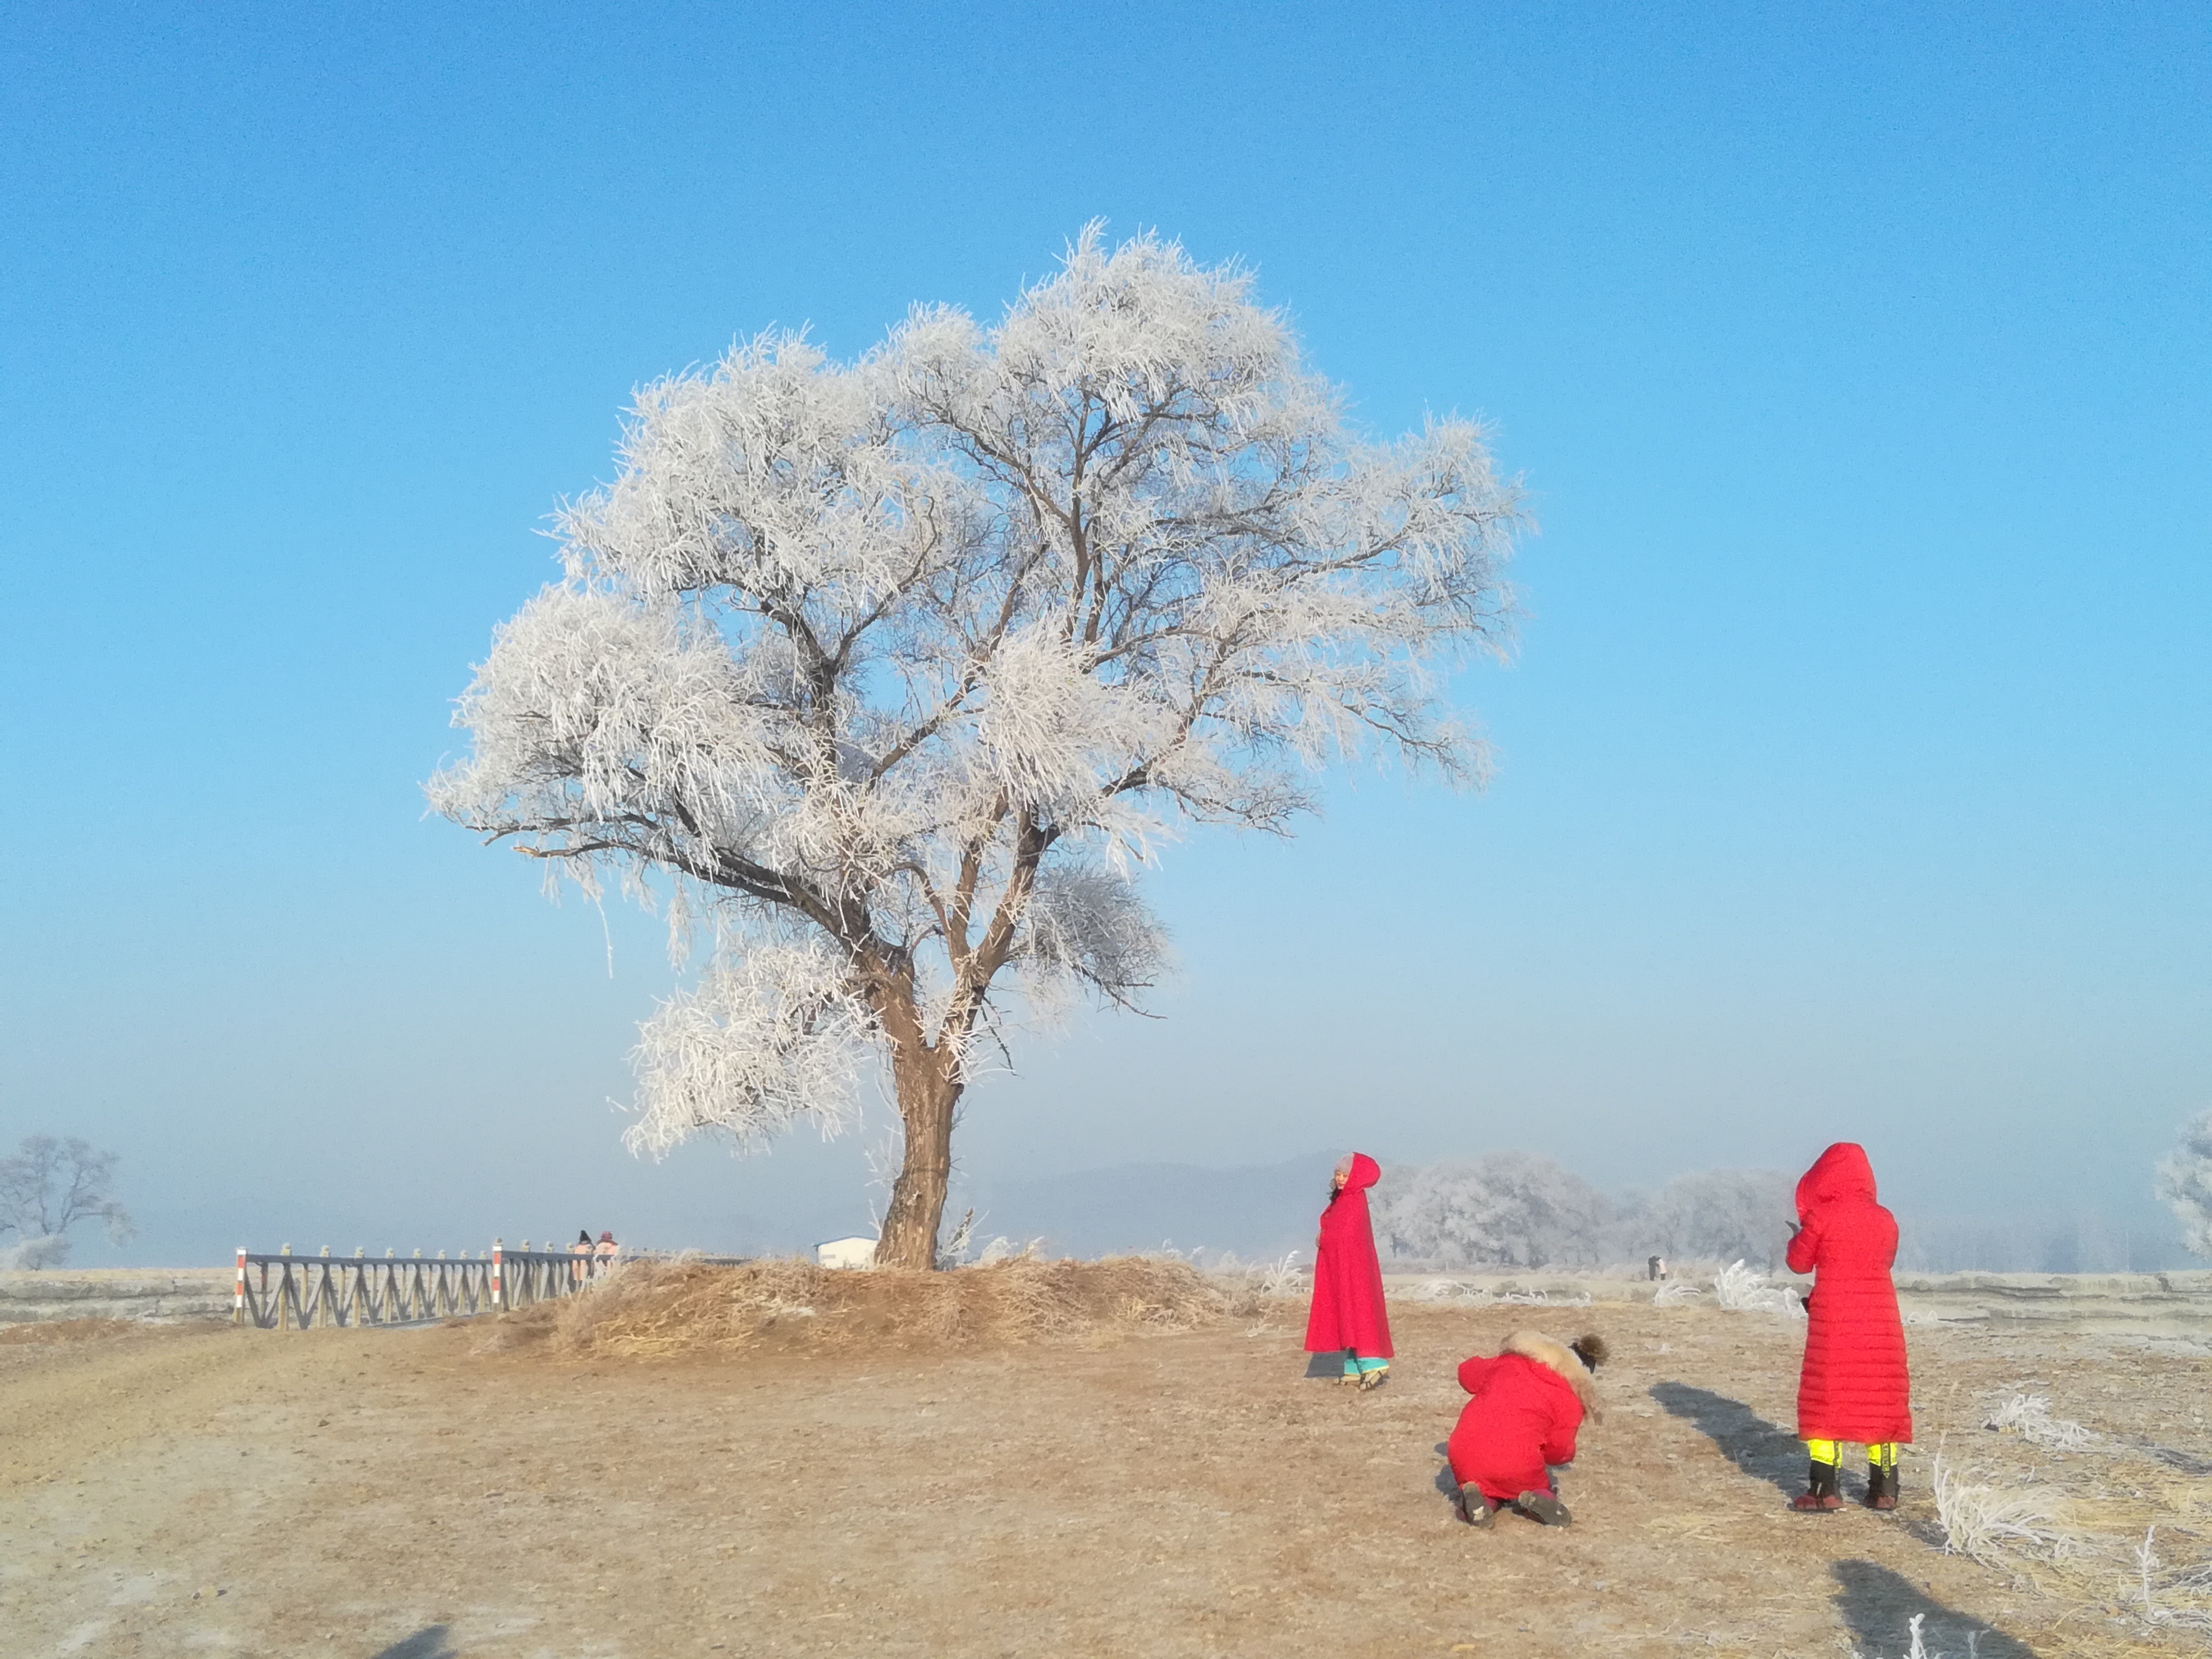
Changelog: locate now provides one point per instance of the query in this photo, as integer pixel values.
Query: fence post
(498, 1290)
(237, 1301)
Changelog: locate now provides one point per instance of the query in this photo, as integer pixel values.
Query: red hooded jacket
(1527, 1403)
(1854, 1385)
(1348, 1293)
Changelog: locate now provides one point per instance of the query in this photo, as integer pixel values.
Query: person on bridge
(1855, 1387)
(605, 1253)
(1348, 1315)
(580, 1268)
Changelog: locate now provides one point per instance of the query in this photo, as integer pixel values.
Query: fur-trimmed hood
(1557, 1356)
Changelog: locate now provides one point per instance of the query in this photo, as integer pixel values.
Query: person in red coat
(1854, 1387)
(1348, 1317)
(1520, 1423)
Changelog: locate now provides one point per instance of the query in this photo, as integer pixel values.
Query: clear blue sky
(1852, 774)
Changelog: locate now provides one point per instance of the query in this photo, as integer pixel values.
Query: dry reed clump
(651, 1310)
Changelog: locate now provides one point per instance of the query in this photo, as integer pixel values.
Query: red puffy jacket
(1348, 1292)
(1527, 1403)
(1854, 1385)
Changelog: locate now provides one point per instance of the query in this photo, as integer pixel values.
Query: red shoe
(1881, 1488)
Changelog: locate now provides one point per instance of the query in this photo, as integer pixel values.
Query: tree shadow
(1764, 1450)
(428, 1643)
(1878, 1607)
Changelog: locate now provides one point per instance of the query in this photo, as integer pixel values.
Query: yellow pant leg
(1825, 1451)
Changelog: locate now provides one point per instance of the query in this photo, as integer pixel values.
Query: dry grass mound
(652, 1310)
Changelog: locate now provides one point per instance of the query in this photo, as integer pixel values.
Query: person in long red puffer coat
(1348, 1315)
(1527, 1404)
(1855, 1387)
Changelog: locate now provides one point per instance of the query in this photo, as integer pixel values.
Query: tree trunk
(928, 1088)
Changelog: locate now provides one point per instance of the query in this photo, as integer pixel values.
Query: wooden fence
(298, 1292)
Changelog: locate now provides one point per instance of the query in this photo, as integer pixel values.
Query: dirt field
(408, 1495)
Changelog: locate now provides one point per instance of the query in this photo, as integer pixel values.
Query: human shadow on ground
(1327, 1363)
(428, 1643)
(1447, 1483)
(1878, 1606)
(1764, 1450)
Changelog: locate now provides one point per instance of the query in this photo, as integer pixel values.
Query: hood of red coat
(1839, 1174)
(1366, 1172)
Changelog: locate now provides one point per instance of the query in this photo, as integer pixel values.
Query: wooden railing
(299, 1292)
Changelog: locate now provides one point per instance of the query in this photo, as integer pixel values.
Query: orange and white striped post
(238, 1299)
(498, 1290)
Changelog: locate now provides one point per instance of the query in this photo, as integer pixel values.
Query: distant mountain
(1257, 1211)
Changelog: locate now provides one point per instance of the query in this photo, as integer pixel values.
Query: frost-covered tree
(2183, 1181)
(1724, 1215)
(1507, 1210)
(49, 1186)
(898, 669)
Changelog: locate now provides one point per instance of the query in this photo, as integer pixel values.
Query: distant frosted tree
(1725, 1215)
(892, 673)
(2183, 1181)
(1507, 1210)
(49, 1186)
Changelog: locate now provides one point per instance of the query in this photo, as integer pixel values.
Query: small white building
(855, 1252)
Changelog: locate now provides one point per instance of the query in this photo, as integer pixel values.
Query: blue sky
(1851, 772)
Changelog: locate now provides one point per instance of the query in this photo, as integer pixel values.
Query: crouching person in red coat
(1854, 1387)
(1527, 1402)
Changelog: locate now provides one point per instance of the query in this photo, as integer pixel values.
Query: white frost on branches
(894, 674)
(1718, 1215)
(2028, 1415)
(1742, 1289)
(48, 1186)
(1507, 1210)
(773, 1027)
(2183, 1181)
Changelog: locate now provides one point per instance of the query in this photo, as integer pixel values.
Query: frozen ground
(407, 1495)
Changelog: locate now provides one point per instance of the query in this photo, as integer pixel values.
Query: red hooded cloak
(1855, 1386)
(1348, 1293)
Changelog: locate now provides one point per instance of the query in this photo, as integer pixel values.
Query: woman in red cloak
(1855, 1387)
(1348, 1315)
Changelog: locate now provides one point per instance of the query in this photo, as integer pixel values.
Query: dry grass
(679, 1311)
(44, 1331)
(1193, 1496)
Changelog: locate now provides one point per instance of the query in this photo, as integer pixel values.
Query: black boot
(1819, 1495)
(1474, 1506)
(1544, 1508)
(1881, 1486)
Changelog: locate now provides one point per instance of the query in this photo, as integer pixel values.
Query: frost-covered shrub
(1742, 1289)
(1507, 1210)
(1715, 1215)
(1987, 1523)
(2028, 1415)
(2184, 1182)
